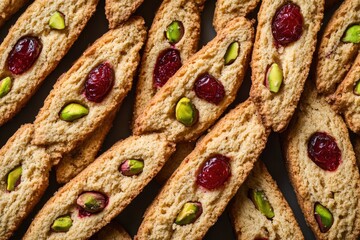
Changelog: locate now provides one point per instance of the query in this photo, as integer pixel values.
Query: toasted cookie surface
(331, 186)
(32, 29)
(208, 63)
(278, 104)
(55, 125)
(8, 8)
(106, 177)
(335, 56)
(239, 136)
(19, 193)
(249, 222)
(118, 11)
(112, 231)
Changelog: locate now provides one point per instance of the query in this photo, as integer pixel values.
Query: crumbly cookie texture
(103, 176)
(250, 223)
(356, 145)
(336, 57)
(8, 8)
(77, 160)
(118, 11)
(188, 13)
(160, 114)
(226, 10)
(62, 136)
(35, 162)
(339, 190)
(278, 108)
(240, 136)
(55, 44)
(112, 231)
(346, 101)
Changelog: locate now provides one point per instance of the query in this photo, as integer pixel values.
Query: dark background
(131, 217)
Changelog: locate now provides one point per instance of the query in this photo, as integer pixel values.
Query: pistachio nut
(5, 86)
(132, 167)
(323, 217)
(261, 203)
(189, 213)
(73, 111)
(185, 112)
(57, 21)
(274, 78)
(357, 88)
(352, 34)
(174, 32)
(92, 202)
(232, 53)
(62, 224)
(14, 178)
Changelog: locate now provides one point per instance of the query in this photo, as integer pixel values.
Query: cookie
(322, 169)
(356, 145)
(260, 211)
(336, 54)
(202, 88)
(24, 174)
(79, 104)
(112, 231)
(347, 97)
(118, 11)
(279, 71)
(172, 39)
(46, 31)
(110, 184)
(193, 198)
(77, 160)
(226, 10)
(8, 8)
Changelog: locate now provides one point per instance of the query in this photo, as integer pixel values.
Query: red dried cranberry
(24, 54)
(209, 88)
(167, 64)
(215, 172)
(99, 82)
(287, 24)
(323, 151)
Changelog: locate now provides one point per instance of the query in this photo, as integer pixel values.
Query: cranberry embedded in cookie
(323, 217)
(287, 24)
(167, 64)
(323, 151)
(91, 202)
(174, 32)
(24, 54)
(99, 82)
(214, 172)
(207, 87)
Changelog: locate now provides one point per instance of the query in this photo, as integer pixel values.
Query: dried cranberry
(209, 88)
(287, 24)
(323, 151)
(24, 54)
(167, 64)
(99, 82)
(215, 172)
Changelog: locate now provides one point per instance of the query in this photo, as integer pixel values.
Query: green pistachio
(232, 53)
(189, 213)
(73, 111)
(13, 178)
(352, 34)
(174, 32)
(186, 112)
(132, 167)
(62, 224)
(357, 88)
(5, 86)
(57, 21)
(261, 203)
(92, 202)
(323, 217)
(274, 78)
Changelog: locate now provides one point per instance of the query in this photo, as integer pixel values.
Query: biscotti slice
(279, 70)
(118, 11)
(8, 8)
(199, 190)
(202, 88)
(24, 173)
(226, 10)
(100, 192)
(356, 145)
(337, 50)
(347, 97)
(112, 231)
(322, 169)
(92, 90)
(35, 45)
(78, 159)
(260, 211)
(172, 39)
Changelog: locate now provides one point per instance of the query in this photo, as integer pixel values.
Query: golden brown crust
(118, 11)
(339, 190)
(241, 136)
(8, 8)
(112, 231)
(278, 108)
(37, 15)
